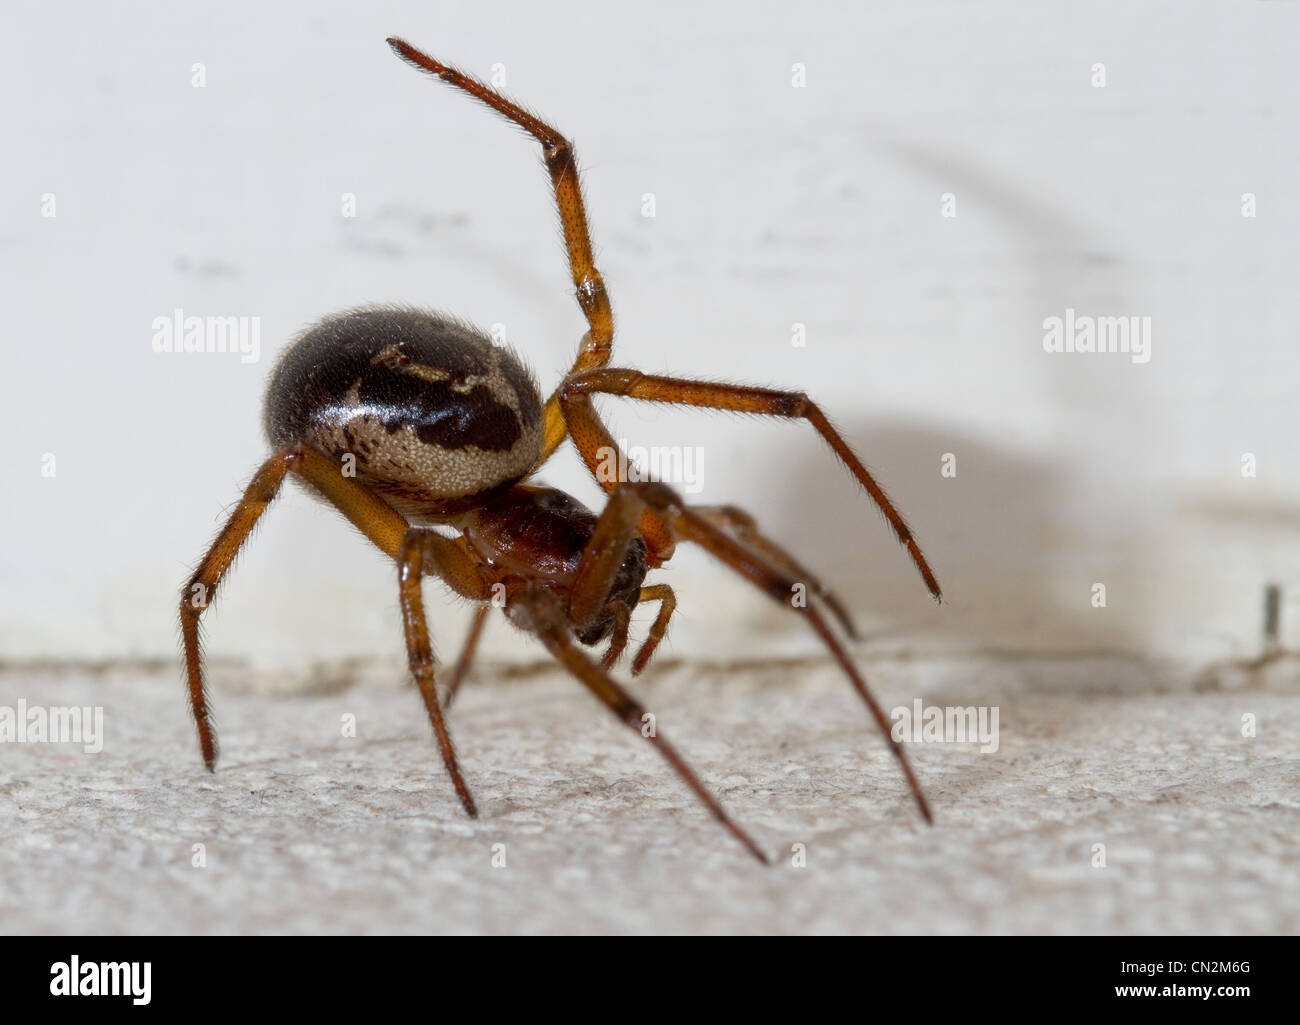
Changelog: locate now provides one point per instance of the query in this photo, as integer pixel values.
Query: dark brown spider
(403, 419)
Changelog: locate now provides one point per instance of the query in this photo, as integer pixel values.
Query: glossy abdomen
(433, 415)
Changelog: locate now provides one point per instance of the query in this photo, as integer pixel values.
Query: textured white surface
(308, 832)
(775, 205)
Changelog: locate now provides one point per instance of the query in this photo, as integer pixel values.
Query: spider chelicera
(405, 419)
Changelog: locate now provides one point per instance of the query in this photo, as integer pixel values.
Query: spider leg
(562, 165)
(667, 600)
(661, 593)
(746, 529)
(383, 526)
(623, 512)
(597, 569)
(591, 436)
(200, 589)
(371, 514)
(447, 560)
(466, 654)
(622, 621)
(541, 613)
(605, 551)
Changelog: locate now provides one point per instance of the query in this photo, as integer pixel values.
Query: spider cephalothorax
(423, 432)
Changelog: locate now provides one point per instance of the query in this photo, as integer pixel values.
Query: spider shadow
(982, 530)
(993, 532)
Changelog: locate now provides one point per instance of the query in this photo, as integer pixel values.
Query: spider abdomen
(423, 408)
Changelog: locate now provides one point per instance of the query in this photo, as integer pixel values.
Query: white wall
(775, 205)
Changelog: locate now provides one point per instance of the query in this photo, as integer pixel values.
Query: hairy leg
(368, 512)
(562, 165)
(426, 551)
(667, 600)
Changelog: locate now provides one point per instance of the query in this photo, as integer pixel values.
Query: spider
(408, 421)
